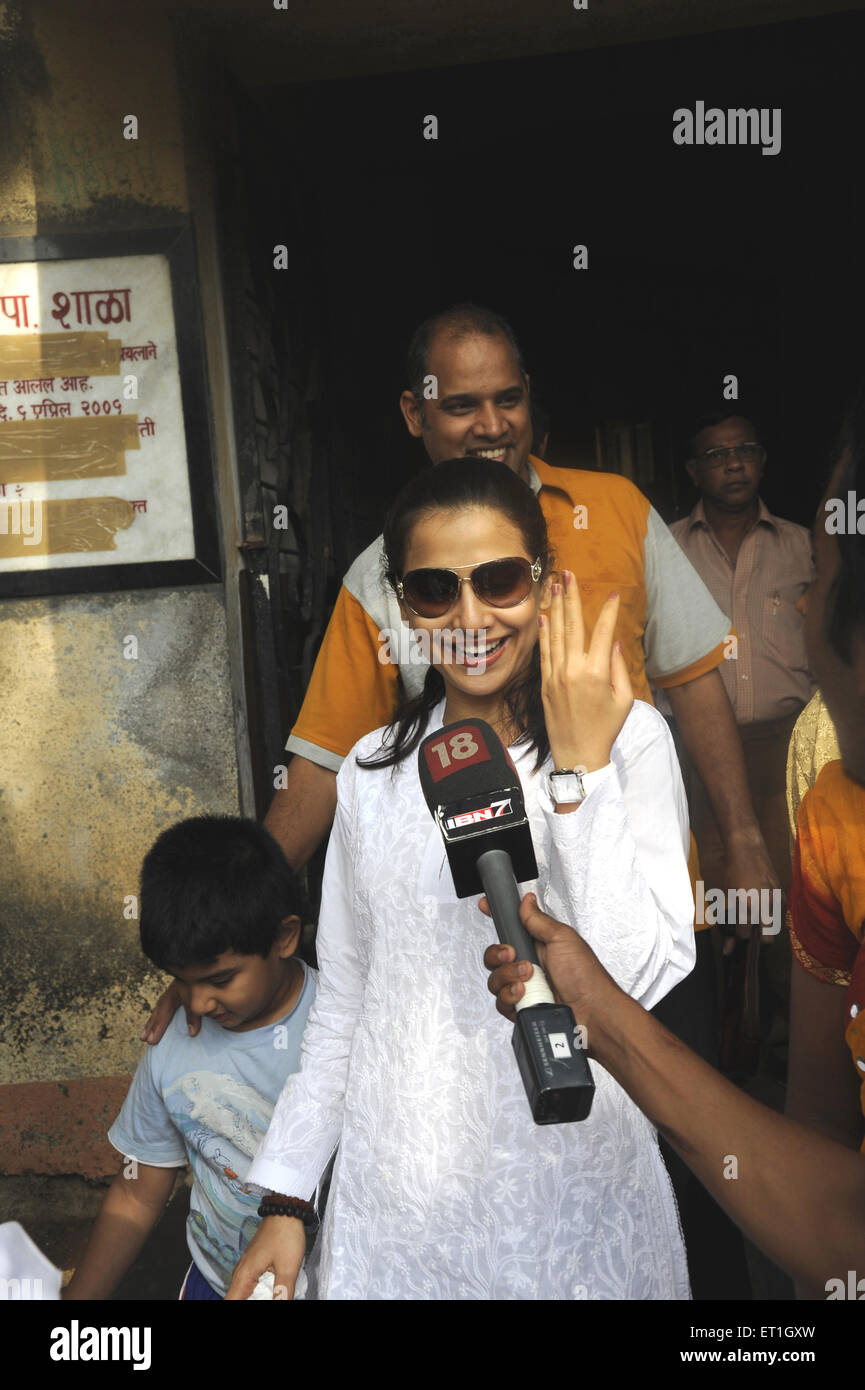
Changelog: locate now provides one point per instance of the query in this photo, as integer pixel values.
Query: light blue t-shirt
(207, 1101)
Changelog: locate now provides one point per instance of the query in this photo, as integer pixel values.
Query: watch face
(565, 787)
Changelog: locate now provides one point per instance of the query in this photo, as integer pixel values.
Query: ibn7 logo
(491, 812)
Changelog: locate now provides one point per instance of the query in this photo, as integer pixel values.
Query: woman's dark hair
(461, 484)
(847, 598)
(214, 884)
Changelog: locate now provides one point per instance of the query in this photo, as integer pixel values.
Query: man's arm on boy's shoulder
(302, 811)
(133, 1204)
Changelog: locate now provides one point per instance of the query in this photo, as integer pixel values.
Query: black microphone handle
(497, 876)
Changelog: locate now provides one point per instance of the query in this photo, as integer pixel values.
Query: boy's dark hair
(212, 884)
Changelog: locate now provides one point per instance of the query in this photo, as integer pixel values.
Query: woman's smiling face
(491, 645)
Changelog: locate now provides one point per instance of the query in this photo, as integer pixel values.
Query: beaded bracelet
(291, 1206)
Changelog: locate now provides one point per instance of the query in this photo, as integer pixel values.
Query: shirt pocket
(784, 627)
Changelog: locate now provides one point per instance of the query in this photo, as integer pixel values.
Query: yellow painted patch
(29, 355)
(37, 450)
(71, 525)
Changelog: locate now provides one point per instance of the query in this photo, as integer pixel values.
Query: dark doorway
(701, 262)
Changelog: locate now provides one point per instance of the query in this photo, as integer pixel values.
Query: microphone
(473, 792)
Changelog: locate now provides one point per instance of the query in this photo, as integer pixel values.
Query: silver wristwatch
(566, 786)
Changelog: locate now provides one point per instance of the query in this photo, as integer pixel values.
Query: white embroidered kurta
(443, 1186)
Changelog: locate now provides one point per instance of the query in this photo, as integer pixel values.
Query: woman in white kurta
(443, 1186)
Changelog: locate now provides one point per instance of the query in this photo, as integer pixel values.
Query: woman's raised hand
(587, 695)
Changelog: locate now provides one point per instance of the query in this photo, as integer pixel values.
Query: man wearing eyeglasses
(757, 567)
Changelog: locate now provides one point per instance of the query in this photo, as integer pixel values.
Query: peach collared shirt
(768, 676)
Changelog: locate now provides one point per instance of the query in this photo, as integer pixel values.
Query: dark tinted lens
(431, 592)
(503, 583)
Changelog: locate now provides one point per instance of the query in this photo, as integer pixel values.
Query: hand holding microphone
(473, 792)
(570, 966)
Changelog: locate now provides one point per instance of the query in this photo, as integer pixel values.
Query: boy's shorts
(195, 1286)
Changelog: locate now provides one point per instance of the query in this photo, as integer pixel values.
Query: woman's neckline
(516, 750)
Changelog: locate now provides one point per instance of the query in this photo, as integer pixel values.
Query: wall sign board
(105, 476)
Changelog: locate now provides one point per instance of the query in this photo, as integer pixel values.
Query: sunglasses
(430, 593)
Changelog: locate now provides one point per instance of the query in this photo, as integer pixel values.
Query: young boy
(219, 908)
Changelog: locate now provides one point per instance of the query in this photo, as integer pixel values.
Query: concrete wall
(99, 753)
(70, 73)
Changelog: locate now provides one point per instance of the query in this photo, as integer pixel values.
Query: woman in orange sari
(826, 906)
(826, 921)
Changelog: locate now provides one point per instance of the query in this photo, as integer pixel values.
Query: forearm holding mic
(474, 795)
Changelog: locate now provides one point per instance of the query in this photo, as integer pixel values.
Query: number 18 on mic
(474, 795)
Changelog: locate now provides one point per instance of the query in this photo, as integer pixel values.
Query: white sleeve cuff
(272, 1176)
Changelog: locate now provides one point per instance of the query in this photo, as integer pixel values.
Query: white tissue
(264, 1288)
